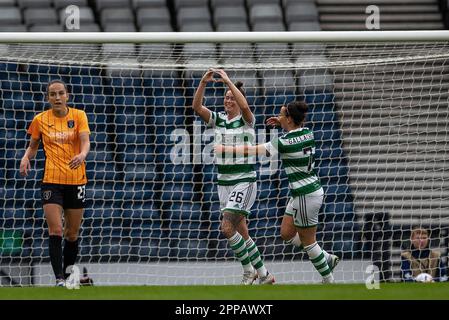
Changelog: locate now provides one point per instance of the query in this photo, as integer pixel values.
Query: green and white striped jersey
(233, 169)
(297, 151)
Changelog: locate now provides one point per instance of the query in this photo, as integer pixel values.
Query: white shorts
(305, 208)
(238, 198)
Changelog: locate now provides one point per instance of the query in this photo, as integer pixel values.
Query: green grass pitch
(400, 291)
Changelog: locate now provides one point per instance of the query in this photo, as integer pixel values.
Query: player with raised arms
(64, 132)
(237, 185)
(296, 149)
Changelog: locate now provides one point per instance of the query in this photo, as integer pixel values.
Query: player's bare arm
(78, 160)
(242, 150)
(30, 153)
(274, 122)
(239, 97)
(197, 104)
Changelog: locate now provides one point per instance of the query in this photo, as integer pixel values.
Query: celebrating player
(236, 176)
(296, 149)
(64, 132)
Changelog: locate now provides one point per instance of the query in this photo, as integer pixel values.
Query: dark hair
(297, 111)
(419, 230)
(56, 81)
(239, 85)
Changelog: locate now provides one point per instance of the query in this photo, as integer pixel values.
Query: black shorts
(67, 196)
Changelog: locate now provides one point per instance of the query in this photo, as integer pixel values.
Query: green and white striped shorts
(238, 198)
(305, 208)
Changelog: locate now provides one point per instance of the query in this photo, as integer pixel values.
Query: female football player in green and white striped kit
(296, 149)
(237, 185)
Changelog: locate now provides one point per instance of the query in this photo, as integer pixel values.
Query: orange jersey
(60, 137)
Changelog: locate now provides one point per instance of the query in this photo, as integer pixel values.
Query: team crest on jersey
(71, 124)
(46, 195)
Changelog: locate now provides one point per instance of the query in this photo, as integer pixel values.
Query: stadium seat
(159, 79)
(117, 49)
(330, 169)
(157, 27)
(157, 52)
(265, 13)
(304, 26)
(267, 51)
(192, 71)
(185, 212)
(86, 85)
(323, 101)
(264, 26)
(178, 173)
(251, 3)
(210, 192)
(329, 136)
(232, 26)
(173, 191)
(317, 114)
(279, 81)
(250, 82)
(309, 53)
(318, 79)
(62, 4)
(169, 97)
(329, 153)
(267, 190)
(40, 16)
(7, 3)
(42, 68)
(104, 172)
(87, 27)
(10, 15)
(336, 192)
(196, 26)
(230, 14)
(301, 12)
(286, 3)
(13, 28)
(236, 53)
(111, 15)
(86, 15)
(106, 4)
(190, 3)
(153, 16)
(120, 27)
(149, 3)
(136, 191)
(46, 28)
(338, 208)
(196, 50)
(34, 3)
(220, 3)
(192, 14)
(138, 154)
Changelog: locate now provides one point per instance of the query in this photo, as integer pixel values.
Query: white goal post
(378, 106)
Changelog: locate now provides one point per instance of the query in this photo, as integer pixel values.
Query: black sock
(70, 254)
(55, 250)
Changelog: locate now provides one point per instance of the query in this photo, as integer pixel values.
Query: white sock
(237, 244)
(254, 257)
(297, 243)
(316, 256)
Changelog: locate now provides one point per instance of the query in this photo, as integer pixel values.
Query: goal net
(379, 113)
